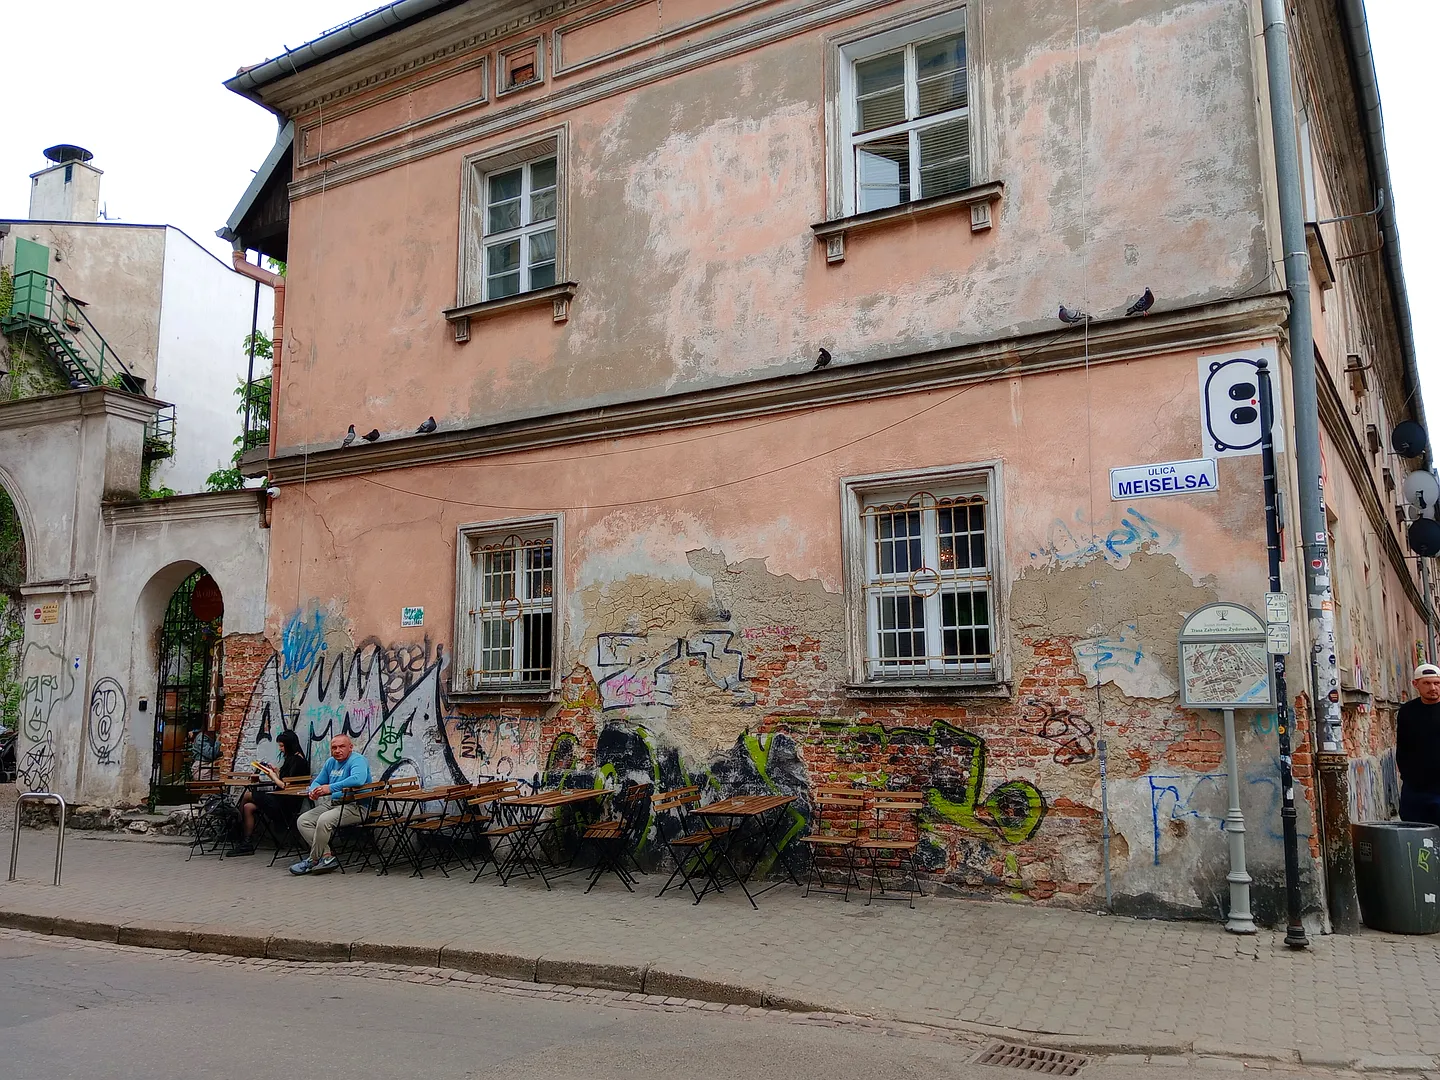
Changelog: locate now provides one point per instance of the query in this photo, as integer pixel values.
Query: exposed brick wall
(245, 657)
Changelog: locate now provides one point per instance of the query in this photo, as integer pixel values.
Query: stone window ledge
(557, 296)
(978, 198)
(928, 690)
(518, 694)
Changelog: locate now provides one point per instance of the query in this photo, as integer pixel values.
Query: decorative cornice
(76, 404)
(1219, 323)
(390, 51)
(203, 506)
(1333, 418)
(751, 35)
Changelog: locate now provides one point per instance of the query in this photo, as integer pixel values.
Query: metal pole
(250, 373)
(1105, 826)
(1325, 677)
(1240, 921)
(1294, 929)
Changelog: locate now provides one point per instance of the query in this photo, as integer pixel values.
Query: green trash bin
(1397, 876)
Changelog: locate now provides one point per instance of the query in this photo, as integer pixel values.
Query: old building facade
(760, 458)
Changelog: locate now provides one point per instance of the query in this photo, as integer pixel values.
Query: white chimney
(69, 190)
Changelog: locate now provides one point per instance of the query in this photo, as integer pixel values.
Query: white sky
(138, 83)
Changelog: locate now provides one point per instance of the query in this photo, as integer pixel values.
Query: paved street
(1079, 979)
(74, 1010)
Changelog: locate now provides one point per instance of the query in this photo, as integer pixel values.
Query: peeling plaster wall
(703, 637)
(690, 205)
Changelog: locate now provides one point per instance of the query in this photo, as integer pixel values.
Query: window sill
(929, 689)
(978, 198)
(558, 296)
(503, 693)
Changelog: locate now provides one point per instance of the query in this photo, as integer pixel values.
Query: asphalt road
(71, 1010)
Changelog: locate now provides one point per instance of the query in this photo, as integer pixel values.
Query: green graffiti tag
(1012, 811)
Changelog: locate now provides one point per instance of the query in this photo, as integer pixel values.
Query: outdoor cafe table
(531, 809)
(398, 809)
(753, 815)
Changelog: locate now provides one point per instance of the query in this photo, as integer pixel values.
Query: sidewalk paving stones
(1100, 985)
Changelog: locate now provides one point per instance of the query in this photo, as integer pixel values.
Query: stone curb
(645, 982)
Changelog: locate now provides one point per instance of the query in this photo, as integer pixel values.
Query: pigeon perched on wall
(349, 436)
(824, 360)
(1143, 305)
(1072, 317)
(427, 427)
(371, 435)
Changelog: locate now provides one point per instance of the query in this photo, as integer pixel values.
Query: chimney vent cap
(64, 153)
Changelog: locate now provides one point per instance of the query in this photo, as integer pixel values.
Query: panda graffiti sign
(1230, 402)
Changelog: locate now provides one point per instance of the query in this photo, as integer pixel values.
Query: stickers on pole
(1230, 402)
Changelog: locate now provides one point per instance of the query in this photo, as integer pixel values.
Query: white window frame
(862, 584)
(470, 286)
(467, 676)
(891, 35)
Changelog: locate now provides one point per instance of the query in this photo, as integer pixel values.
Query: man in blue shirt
(345, 769)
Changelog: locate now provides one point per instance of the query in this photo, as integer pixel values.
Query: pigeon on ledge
(1072, 317)
(824, 360)
(1143, 305)
(427, 427)
(371, 435)
(349, 436)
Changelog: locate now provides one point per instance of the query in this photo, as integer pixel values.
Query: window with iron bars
(928, 585)
(510, 635)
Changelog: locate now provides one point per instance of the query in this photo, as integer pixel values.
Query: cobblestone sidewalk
(1088, 982)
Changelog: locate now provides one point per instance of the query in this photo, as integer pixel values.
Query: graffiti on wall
(1120, 658)
(496, 746)
(1176, 800)
(46, 684)
(107, 720)
(1078, 542)
(633, 670)
(387, 699)
(947, 763)
(1374, 787)
(1072, 734)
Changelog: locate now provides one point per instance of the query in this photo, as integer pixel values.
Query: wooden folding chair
(362, 832)
(209, 822)
(835, 825)
(492, 830)
(616, 837)
(893, 833)
(689, 840)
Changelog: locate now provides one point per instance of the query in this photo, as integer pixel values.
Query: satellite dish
(1422, 491)
(1408, 439)
(1425, 537)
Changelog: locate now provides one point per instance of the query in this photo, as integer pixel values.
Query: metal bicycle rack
(44, 797)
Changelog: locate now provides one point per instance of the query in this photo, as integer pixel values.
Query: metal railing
(39, 796)
(255, 430)
(160, 434)
(40, 303)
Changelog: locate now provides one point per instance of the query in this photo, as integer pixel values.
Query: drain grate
(1032, 1059)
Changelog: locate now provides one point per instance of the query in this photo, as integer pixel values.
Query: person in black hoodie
(278, 808)
(1417, 749)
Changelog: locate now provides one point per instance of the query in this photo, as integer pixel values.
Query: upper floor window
(506, 630)
(905, 114)
(923, 577)
(520, 210)
(512, 233)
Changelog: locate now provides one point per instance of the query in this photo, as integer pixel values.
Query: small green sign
(412, 616)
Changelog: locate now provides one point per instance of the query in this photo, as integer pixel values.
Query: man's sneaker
(325, 865)
(240, 849)
(304, 866)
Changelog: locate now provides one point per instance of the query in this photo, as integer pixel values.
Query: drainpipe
(1320, 607)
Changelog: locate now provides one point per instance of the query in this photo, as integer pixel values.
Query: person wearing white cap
(1417, 749)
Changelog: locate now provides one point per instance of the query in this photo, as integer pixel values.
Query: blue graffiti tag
(301, 640)
(1122, 650)
(1135, 533)
(1162, 787)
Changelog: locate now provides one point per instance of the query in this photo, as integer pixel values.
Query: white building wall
(205, 314)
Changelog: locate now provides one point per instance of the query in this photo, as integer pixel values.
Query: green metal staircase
(43, 310)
